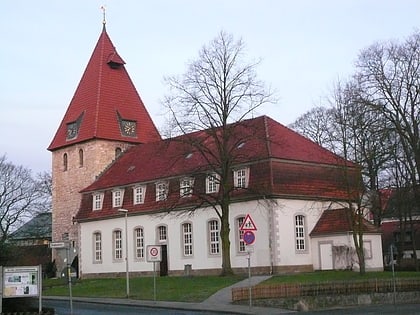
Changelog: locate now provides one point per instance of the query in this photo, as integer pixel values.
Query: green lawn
(192, 289)
(185, 289)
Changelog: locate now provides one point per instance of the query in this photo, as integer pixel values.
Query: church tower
(105, 116)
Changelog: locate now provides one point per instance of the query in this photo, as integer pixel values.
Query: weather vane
(103, 8)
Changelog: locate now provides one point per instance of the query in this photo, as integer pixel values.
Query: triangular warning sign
(248, 224)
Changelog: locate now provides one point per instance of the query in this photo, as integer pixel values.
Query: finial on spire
(103, 8)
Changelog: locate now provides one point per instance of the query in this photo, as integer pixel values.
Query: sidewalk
(218, 302)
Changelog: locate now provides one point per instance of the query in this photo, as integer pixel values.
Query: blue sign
(249, 237)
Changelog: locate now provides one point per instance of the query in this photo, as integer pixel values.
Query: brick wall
(97, 155)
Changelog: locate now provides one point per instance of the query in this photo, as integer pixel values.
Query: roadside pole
(154, 255)
(249, 279)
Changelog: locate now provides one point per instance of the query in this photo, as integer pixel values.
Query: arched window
(97, 247)
(187, 240)
(214, 237)
(118, 152)
(300, 232)
(240, 235)
(139, 237)
(117, 238)
(80, 158)
(65, 162)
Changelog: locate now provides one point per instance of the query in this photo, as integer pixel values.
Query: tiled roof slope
(105, 93)
(37, 228)
(339, 221)
(266, 138)
(282, 163)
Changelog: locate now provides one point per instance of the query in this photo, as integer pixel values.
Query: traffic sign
(248, 224)
(58, 244)
(153, 253)
(248, 237)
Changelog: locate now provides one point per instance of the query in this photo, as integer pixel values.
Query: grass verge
(185, 289)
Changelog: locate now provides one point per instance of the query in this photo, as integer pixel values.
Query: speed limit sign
(153, 253)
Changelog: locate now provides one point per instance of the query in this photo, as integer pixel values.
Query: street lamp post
(125, 211)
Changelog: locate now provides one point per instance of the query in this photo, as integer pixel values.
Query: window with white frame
(117, 237)
(186, 187)
(240, 234)
(214, 237)
(212, 183)
(240, 177)
(162, 233)
(139, 235)
(97, 247)
(139, 193)
(161, 191)
(98, 200)
(187, 239)
(117, 197)
(300, 232)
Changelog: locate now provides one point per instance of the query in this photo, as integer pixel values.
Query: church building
(119, 190)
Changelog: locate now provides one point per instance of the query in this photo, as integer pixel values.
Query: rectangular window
(117, 198)
(187, 239)
(241, 243)
(139, 243)
(97, 245)
(241, 177)
(214, 237)
(212, 183)
(98, 200)
(118, 245)
(300, 232)
(161, 191)
(162, 233)
(139, 192)
(186, 187)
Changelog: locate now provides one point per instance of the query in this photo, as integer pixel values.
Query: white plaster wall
(372, 264)
(201, 258)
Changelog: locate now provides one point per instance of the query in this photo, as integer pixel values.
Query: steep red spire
(106, 104)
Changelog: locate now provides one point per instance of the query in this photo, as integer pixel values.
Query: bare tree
(217, 90)
(21, 196)
(389, 75)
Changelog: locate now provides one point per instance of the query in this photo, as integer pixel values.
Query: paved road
(387, 309)
(62, 307)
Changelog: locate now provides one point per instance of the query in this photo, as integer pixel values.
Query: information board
(20, 281)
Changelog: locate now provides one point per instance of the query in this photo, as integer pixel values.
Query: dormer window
(212, 183)
(241, 177)
(139, 192)
(117, 197)
(161, 191)
(98, 200)
(186, 187)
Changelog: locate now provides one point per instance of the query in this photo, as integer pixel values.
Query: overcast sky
(305, 46)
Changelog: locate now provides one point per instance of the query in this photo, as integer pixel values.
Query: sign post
(248, 227)
(66, 245)
(154, 255)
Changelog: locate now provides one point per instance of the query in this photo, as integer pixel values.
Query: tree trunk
(224, 235)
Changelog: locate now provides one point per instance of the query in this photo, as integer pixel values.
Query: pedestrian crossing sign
(248, 224)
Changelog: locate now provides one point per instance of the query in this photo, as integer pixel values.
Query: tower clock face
(129, 128)
(71, 131)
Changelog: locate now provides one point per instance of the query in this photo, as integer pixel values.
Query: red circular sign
(249, 237)
(154, 251)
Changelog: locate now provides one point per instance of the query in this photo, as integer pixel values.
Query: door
(163, 266)
(325, 256)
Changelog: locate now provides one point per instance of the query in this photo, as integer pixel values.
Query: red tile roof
(104, 94)
(266, 138)
(282, 163)
(339, 221)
